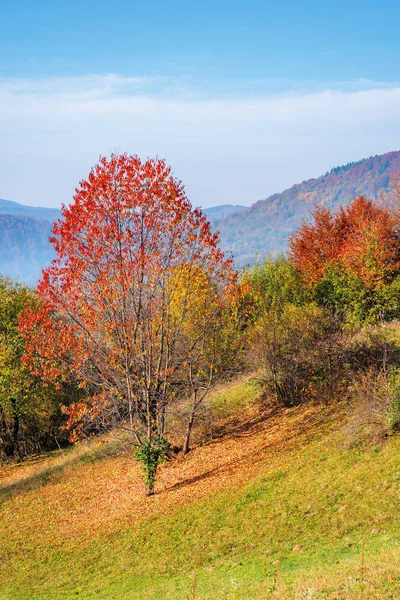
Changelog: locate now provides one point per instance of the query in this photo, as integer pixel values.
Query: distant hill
(35, 212)
(24, 231)
(265, 226)
(25, 247)
(249, 233)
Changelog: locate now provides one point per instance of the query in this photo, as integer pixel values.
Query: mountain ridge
(35, 212)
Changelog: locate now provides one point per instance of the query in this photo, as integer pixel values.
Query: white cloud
(225, 149)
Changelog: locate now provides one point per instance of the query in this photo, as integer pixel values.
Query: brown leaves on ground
(79, 501)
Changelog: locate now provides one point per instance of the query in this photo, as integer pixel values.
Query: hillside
(243, 516)
(215, 214)
(25, 247)
(265, 226)
(25, 231)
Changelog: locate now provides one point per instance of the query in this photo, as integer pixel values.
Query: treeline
(313, 325)
(141, 315)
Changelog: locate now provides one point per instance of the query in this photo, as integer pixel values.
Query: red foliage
(106, 298)
(360, 238)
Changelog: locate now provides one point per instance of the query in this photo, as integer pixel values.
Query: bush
(298, 351)
(358, 304)
(374, 406)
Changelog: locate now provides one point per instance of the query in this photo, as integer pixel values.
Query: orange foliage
(361, 238)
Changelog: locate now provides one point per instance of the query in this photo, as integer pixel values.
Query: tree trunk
(150, 489)
(15, 428)
(186, 446)
(8, 447)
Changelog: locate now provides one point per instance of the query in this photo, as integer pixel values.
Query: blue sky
(242, 98)
(286, 40)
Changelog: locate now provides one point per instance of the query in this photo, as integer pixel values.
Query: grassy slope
(275, 507)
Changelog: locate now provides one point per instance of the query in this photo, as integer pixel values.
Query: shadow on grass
(267, 420)
(236, 427)
(61, 463)
(273, 413)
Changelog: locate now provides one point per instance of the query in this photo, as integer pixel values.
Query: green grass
(318, 521)
(231, 399)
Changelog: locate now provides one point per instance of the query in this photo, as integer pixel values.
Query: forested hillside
(25, 248)
(215, 214)
(265, 226)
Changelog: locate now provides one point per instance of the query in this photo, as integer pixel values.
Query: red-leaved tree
(362, 239)
(132, 305)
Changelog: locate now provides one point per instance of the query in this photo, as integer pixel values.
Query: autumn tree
(211, 322)
(132, 303)
(352, 258)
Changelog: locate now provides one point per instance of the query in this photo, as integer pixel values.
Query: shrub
(374, 406)
(298, 351)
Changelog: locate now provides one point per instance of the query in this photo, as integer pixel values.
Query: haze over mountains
(249, 233)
